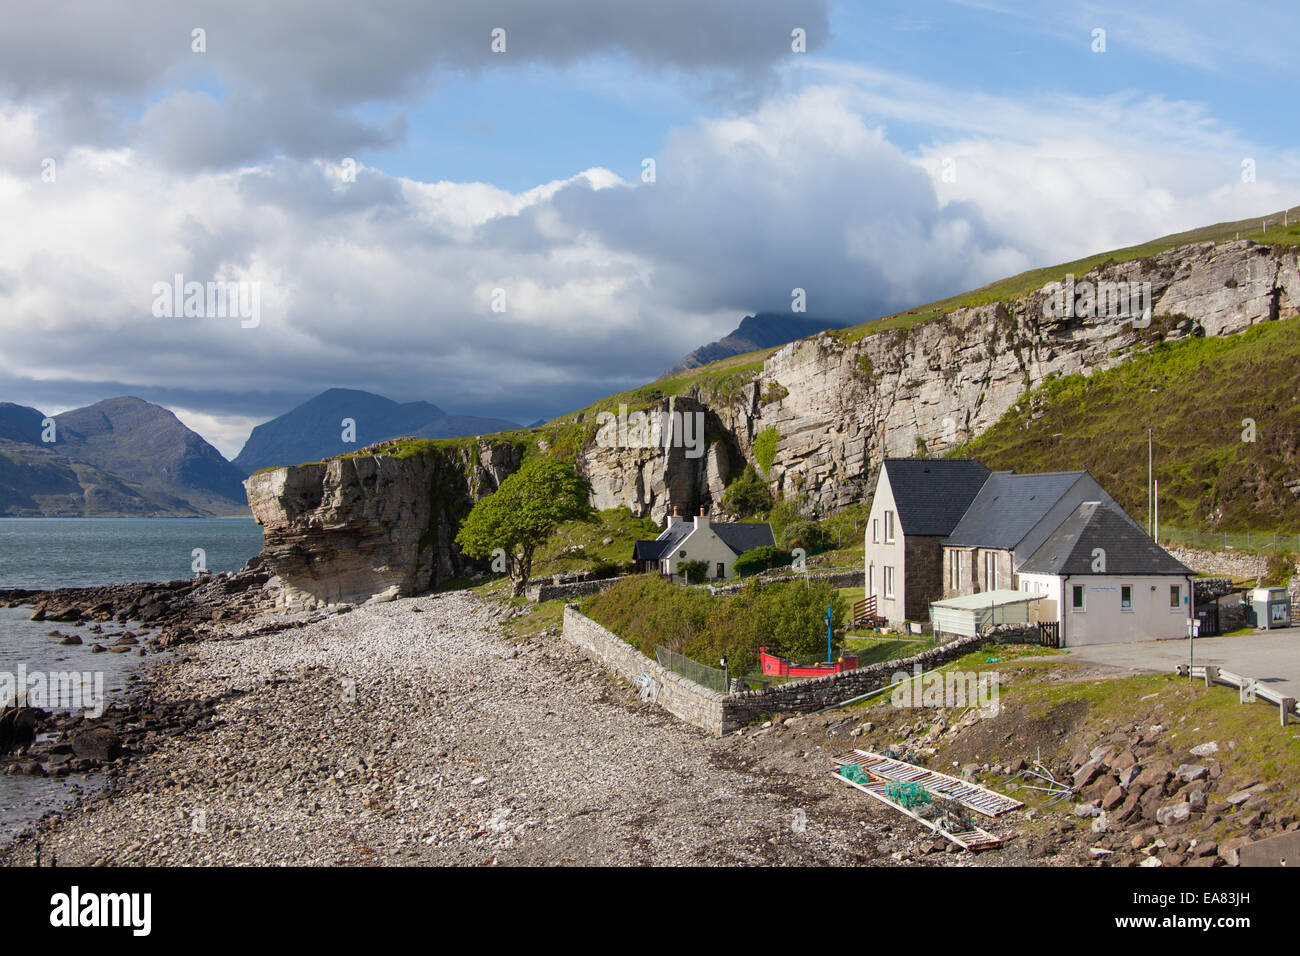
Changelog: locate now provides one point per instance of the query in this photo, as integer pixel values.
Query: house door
(722, 570)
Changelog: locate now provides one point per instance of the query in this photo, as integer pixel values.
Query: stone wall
(924, 569)
(682, 698)
(717, 714)
(839, 579)
(1231, 564)
(817, 693)
(554, 592)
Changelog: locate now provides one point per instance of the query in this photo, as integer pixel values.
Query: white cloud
(385, 283)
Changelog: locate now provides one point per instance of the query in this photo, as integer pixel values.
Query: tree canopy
(523, 512)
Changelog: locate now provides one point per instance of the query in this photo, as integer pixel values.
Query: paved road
(1271, 656)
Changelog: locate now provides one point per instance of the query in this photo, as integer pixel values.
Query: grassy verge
(1198, 396)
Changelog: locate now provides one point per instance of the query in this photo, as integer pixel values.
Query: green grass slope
(1195, 395)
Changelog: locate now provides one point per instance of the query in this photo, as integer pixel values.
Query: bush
(605, 569)
(787, 617)
(782, 515)
(747, 495)
(761, 559)
(806, 534)
(765, 448)
(695, 572)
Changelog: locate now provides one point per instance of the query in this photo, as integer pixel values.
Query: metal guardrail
(1249, 688)
(710, 677)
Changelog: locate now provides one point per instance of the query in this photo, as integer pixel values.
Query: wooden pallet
(970, 795)
(974, 839)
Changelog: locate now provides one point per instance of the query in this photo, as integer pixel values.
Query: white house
(718, 543)
(1105, 581)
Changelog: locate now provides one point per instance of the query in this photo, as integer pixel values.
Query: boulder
(96, 743)
(1190, 772)
(1173, 814)
(1227, 850)
(18, 726)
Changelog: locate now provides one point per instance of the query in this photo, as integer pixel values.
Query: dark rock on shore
(18, 726)
(176, 605)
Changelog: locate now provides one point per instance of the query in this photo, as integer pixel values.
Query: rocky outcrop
(840, 404)
(652, 481)
(374, 526)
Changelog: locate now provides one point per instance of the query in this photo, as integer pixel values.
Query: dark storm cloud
(289, 77)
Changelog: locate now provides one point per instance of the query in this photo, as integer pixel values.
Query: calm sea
(77, 552)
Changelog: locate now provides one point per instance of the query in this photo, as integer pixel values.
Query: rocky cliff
(838, 403)
(375, 526)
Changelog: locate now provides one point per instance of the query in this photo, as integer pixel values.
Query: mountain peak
(762, 330)
(314, 430)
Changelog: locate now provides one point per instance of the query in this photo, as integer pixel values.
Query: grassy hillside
(1195, 395)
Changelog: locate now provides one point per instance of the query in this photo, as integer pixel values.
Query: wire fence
(705, 676)
(1277, 542)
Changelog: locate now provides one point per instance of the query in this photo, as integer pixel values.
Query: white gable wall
(881, 554)
(702, 544)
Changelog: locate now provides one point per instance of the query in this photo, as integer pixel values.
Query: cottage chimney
(702, 520)
(675, 517)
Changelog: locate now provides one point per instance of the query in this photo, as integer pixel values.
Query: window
(875, 531)
(1076, 597)
(871, 580)
(889, 527)
(1126, 597)
(889, 581)
(990, 571)
(954, 570)
(1175, 597)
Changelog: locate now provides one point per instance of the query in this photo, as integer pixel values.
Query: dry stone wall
(717, 714)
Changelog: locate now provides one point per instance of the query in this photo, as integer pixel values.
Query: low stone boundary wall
(838, 579)
(717, 714)
(682, 698)
(553, 592)
(1232, 564)
(819, 692)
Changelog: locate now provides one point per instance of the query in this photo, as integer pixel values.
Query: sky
(510, 209)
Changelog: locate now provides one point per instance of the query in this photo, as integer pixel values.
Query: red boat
(774, 666)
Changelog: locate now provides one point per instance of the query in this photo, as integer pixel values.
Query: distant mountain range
(124, 457)
(314, 430)
(128, 457)
(119, 457)
(762, 331)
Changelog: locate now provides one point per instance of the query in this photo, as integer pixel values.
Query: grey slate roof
(1008, 506)
(931, 494)
(660, 547)
(739, 536)
(1068, 549)
(742, 536)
